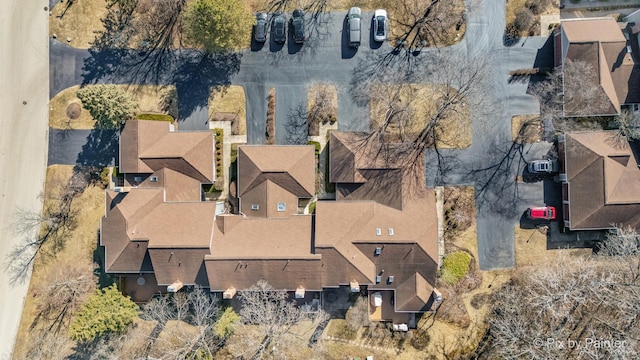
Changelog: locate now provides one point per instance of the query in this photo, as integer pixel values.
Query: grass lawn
(452, 132)
(80, 20)
(526, 129)
(78, 250)
(231, 101)
(531, 248)
(150, 99)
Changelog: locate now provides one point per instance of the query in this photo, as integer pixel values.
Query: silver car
(354, 17)
(380, 25)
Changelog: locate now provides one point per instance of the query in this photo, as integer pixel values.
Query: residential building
(380, 232)
(602, 45)
(600, 181)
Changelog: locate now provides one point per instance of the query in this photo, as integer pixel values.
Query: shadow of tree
(100, 150)
(199, 72)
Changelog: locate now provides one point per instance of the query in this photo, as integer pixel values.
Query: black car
(278, 28)
(297, 21)
(260, 31)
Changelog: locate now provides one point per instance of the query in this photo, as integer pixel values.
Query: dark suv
(297, 21)
(278, 28)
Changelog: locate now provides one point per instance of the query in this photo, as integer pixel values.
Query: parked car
(380, 25)
(278, 28)
(354, 17)
(260, 30)
(547, 166)
(297, 21)
(543, 213)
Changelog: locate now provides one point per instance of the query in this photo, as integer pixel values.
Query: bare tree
(193, 315)
(578, 307)
(571, 91)
(268, 319)
(429, 23)
(628, 126)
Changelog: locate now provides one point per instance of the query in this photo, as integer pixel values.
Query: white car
(380, 25)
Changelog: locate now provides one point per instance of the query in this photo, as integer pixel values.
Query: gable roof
(604, 181)
(599, 42)
(413, 294)
(148, 146)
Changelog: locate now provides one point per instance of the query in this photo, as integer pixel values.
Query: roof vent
(154, 179)
(378, 251)
(378, 231)
(391, 278)
(282, 206)
(390, 231)
(137, 178)
(255, 207)
(629, 49)
(378, 279)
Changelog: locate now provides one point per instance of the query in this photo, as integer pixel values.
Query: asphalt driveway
(325, 58)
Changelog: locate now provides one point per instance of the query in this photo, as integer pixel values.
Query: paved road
(24, 99)
(290, 69)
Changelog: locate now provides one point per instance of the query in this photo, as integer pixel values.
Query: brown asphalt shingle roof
(163, 220)
(600, 43)
(147, 146)
(604, 181)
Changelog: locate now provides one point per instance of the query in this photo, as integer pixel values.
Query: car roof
(380, 12)
(261, 15)
(298, 12)
(355, 11)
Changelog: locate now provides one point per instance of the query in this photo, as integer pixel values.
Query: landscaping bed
(153, 103)
(229, 104)
(526, 129)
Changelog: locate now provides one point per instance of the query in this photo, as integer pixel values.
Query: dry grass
(231, 100)
(78, 248)
(149, 99)
(452, 132)
(514, 5)
(321, 112)
(531, 249)
(81, 19)
(526, 129)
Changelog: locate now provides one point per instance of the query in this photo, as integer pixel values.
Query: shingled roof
(603, 181)
(160, 225)
(599, 42)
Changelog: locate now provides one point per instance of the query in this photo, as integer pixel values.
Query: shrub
(317, 146)
(420, 339)
(454, 266)
(524, 20)
(225, 325)
(104, 176)
(346, 331)
(106, 311)
(74, 110)
(155, 117)
(109, 105)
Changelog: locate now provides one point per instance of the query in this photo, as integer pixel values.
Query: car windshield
(380, 20)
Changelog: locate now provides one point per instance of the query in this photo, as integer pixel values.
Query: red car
(545, 213)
